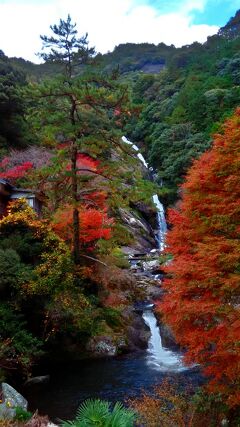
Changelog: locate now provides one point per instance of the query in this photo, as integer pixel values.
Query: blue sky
(211, 12)
(111, 22)
(216, 12)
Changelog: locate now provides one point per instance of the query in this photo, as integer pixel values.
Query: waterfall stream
(159, 357)
(162, 225)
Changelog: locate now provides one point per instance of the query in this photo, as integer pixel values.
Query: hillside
(182, 95)
(184, 105)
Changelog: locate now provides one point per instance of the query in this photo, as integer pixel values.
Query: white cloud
(108, 23)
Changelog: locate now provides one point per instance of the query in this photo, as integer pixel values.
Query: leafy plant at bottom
(22, 415)
(98, 413)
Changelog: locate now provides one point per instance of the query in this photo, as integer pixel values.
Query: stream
(118, 378)
(113, 379)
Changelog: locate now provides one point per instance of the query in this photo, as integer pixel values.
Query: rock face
(10, 400)
(140, 229)
(138, 335)
(137, 332)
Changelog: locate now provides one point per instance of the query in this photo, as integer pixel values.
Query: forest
(65, 271)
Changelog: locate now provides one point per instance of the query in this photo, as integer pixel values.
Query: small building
(8, 192)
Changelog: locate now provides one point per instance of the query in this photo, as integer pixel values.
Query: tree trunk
(76, 242)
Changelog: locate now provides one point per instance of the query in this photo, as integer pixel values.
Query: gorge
(123, 376)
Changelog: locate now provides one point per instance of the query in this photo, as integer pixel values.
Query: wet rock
(10, 400)
(40, 380)
(102, 346)
(148, 212)
(138, 334)
(168, 339)
(150, 265)
(122, 345)
(130, 219)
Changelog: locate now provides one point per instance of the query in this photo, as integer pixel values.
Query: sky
(111, 22)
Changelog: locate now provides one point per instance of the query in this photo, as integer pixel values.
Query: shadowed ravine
(118, 378)
(112, 379)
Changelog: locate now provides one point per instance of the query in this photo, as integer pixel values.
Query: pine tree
(81, 113)
(65, 47)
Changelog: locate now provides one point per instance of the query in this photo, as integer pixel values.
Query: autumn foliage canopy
(202, 302)
(94, 221)
(94, 224)
(16, 172)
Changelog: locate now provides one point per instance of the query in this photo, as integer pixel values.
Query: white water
(139, 155)
(162, 225)
(157, 356)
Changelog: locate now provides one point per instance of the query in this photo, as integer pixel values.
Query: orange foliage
(202, 303)
(168, 405)
(85, 163)
(15, 172)
(94, 225)
(94, 221)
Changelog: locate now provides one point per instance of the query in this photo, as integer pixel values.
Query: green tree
(173, 152)
(13, 127)
(69, 51)
(39, 299)
(78, 114)
(65, 47)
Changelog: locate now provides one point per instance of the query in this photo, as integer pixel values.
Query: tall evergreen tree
(85, 112)
(13, 129)
(65, 47)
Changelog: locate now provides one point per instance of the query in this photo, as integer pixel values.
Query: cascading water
(159, 357)
(139, 155)
(162, 225)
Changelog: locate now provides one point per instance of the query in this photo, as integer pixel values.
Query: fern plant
(97, 413)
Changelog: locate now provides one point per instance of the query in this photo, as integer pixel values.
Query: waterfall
(139, 155)
(159, 357)
(162, 225)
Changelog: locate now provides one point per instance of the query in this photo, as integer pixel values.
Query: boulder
(151, 265)
(101, 346)
(138, 333)
(10, 400)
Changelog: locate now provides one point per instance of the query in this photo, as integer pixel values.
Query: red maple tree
(92, 207)
(16, 172)
(94, 224)
(202, 301)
